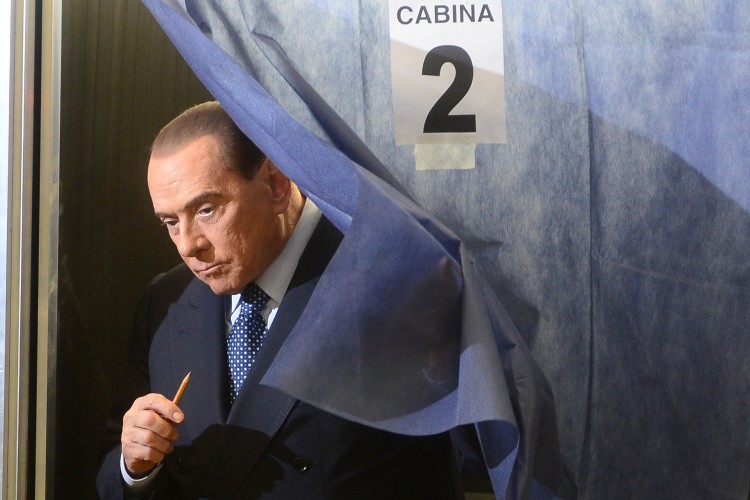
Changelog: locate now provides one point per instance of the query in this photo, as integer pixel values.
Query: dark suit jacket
(268, 445)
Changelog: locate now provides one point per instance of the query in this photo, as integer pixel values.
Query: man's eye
(169, 222)
(206, 211)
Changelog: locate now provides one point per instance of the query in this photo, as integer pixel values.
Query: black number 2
(439, 119)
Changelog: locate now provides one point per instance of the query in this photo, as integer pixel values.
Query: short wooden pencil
(181, 390)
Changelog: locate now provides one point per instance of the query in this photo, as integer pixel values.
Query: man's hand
(148, 430)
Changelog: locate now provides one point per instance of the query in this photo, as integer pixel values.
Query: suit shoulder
(175, 285)
(179, 277)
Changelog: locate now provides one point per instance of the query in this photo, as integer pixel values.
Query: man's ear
(281, 186)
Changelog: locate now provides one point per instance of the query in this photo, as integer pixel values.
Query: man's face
(227, 228)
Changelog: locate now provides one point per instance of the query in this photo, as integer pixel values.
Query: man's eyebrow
(201, 198)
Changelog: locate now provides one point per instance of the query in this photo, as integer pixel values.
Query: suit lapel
(262, 408)
(198, 345)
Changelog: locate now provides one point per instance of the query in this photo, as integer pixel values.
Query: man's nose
(191, 241)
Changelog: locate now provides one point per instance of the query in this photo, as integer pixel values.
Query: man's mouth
(207, 270)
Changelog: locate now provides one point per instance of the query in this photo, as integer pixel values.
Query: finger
(161, 405)
(140, 459)
(142, 449)
(134, 450)
(152, 421)
(147, 437)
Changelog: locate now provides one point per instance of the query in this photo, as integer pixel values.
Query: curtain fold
(599, 256)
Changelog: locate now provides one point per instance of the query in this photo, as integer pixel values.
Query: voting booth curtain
(575, 284)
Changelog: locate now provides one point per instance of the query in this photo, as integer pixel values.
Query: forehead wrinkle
(195, 201)
(181, 171)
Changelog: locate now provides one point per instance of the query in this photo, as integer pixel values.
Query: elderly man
(253, 249)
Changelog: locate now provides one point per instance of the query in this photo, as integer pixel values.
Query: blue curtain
(600, 256)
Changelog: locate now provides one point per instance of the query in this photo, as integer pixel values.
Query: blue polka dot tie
(246, 337)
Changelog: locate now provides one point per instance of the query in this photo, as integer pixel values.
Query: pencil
(181, 390)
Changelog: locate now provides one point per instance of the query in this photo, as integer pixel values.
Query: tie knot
(254, 296)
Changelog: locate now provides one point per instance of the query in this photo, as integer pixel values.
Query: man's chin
(220, 287)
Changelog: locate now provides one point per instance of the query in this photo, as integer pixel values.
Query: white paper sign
(447, 71)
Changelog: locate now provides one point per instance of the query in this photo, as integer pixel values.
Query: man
(242, 228)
